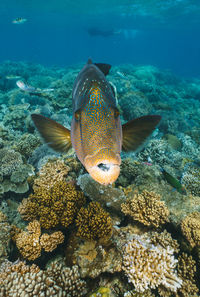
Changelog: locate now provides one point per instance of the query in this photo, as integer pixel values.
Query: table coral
(93, 222)
(57, 205)
(146, 208)
(190, 227)
(30, 243)
(148, 266)
(57, 280)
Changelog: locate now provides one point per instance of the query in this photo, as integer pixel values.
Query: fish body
(96, 135)
(19, 21)
(173, 182)
(96, 130)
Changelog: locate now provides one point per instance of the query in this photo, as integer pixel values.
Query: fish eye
(77, 116)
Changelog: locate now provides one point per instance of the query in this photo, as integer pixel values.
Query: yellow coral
(28, 242)
(50, 242)
(53, 206)
(190, 227)
(52, 172)
(146, 208)
(93, 222)
(31, 242)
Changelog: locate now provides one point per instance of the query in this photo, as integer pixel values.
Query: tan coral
(146, 208)
(190, 227)
(50, 242)
(148, 266)
(57, 280)
(50, 173)
(30, 243)
(164, 239)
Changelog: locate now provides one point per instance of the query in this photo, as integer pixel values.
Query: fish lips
(103, 169)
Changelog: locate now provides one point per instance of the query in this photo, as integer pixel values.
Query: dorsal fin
(105, 68)
(89, 61)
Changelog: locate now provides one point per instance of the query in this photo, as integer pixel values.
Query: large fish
(96, 135)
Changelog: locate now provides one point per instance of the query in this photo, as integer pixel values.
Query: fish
(96, 134)
(32, 90)
(175, 183)
(12, 77)
(19, 21)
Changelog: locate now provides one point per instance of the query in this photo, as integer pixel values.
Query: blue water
(165, 33)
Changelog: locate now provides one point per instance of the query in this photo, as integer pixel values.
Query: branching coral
(5, 236)
(146, 208)
(186, 271)
(190, 227)
(53, 206)
(50, 173)
(93, 222)
(58, 280)
(148, 266)
(164, 239)
(30, 243)
(191, 179)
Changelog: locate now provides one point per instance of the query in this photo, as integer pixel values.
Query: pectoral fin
(54, 134)
(136, 131)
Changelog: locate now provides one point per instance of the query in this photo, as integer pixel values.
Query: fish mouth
(105, 171)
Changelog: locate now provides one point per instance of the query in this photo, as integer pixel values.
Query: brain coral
(57, 205)
(148, 266)
(190, 227)
(93, 222)
(30, 243)
(146, 208)
(28, 281)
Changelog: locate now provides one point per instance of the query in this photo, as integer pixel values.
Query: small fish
(96, 135)
(12, 77)
(19, 21)
(173, 182)
(24, 87)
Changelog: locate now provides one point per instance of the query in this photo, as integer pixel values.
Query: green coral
(101, 292)
(27, 144)
(93, 222)
(58, 205)
(14, 172)
(191, 179)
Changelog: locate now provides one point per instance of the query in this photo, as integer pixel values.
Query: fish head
(96, 132)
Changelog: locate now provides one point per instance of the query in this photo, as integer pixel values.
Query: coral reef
(50, 173)
(58, 205)
(93, 258)
(31, 242)
(146, 208)
(190, 227)
(94, 223)
(148, 266)
(164, 239)
(13, 172)
(191, 179)
(5, 236)
(58, 280)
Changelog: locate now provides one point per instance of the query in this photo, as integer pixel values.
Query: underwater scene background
(61, 232)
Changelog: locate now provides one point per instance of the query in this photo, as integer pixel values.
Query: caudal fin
(54, 134)
(136, 131)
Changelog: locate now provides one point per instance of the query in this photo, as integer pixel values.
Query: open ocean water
(100, 168)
